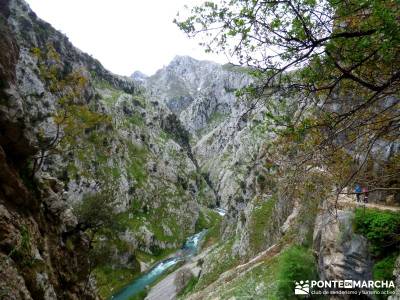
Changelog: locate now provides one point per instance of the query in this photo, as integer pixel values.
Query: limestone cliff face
(34, 262)
(71, 128)
(342, 254)
(130, 153)
(262, 214)
(226, 140)
(200, 93)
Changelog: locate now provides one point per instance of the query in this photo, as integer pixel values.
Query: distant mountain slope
(199, 92)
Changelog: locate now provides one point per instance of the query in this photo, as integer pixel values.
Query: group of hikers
(358, 190)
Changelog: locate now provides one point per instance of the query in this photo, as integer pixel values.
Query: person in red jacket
(366, 193)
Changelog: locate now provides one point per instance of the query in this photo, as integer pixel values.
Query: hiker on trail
(358, 191)
(366, 193)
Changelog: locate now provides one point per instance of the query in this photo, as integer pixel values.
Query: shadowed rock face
(396, 274)
(12, 137)
(34, 263)
(9, 49)
(342, 254)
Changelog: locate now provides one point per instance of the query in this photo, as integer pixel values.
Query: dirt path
(349, 202)
(166, 289)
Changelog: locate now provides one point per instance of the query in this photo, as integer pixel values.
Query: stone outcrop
(342, 254)
(396, 274)
(34, 261)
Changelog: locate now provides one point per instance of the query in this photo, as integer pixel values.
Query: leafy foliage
(329, 40)
(96, 212)
(295, 264)
(76, 122)
(383, 270)
(382, 229)
(327, 71)
(98, 219)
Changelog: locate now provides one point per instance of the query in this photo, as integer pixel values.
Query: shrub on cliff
(382, 229)
(296, 264)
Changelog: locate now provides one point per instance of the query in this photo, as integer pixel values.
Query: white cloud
(125, 35)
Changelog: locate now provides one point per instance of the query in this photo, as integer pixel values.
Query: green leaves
(238, 22)
(339, 60)
(291, 33)
(186, 26)
(382, 230)
(296, 263)
(276, 23)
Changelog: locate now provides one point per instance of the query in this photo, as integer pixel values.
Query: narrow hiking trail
(346, 201)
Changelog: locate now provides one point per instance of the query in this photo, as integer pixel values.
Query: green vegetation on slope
(109, 279)
(274, 278)
(153, 222)
(136, 167)
(207, 219)
(210, 220)
(383, 269)
(189, 286)
(257, 284)
(381, 228)
(295, 264)
(259, 224)
(213, 121)
(219, 261)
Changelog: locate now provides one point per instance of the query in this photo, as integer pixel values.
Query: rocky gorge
(159, 154)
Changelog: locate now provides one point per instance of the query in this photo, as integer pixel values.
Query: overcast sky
(125, 35)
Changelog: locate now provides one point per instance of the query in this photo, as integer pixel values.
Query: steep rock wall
(115, 142)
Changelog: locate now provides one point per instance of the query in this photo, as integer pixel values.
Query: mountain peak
(139, 76)
(186, 59)
(183, 57)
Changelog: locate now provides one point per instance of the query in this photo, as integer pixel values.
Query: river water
(220, 211)
(190, 248)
